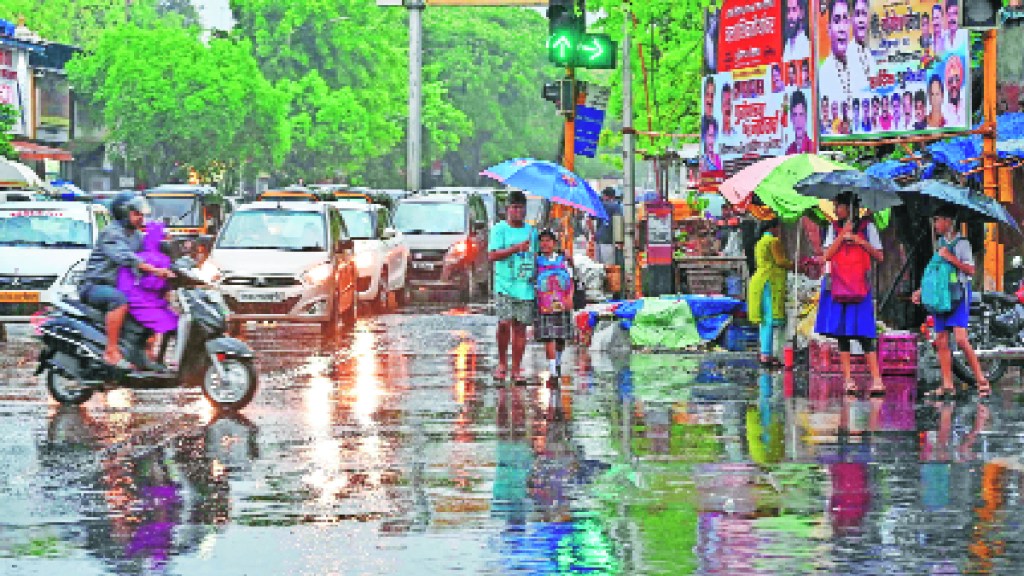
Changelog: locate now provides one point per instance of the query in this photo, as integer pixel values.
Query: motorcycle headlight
(75, 274)
(364, 260)
(317, 275)
(209, 273)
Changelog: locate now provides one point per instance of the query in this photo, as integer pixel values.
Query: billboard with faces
(758, 88)
(891, 68)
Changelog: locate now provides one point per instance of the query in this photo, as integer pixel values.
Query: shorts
(556, 326)
(958, 318)
(509, 308)
(102, 297)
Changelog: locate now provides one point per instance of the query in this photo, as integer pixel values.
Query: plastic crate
(741, 337)
(897, 353)
(824, 358)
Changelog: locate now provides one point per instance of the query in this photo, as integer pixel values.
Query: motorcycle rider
(116, 248)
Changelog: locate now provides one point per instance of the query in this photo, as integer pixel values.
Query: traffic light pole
(569, 153)
(414, 149)
(628, 152)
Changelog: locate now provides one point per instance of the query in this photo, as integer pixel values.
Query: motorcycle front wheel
(993, 368)
(67, 391)
(236, 389)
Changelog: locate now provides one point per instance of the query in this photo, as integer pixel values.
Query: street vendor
(766, 296)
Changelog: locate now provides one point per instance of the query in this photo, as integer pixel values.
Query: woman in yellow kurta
(766, 295)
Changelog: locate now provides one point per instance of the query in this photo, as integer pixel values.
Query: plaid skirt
(509, 308)
(556, 326)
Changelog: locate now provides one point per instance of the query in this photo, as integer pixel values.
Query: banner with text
(758, 87)
(891, 68)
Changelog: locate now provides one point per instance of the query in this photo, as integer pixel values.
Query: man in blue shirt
(513, 250)
(605, 252)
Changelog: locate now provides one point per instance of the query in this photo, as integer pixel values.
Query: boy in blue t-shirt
(513, 248)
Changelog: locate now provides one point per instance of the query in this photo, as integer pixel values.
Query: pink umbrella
(739, 188)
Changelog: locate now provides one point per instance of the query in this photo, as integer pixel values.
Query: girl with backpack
(554, 289)
(949, 302)
(846, 310)
(766, 293)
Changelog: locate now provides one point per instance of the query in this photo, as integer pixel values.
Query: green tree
(493, 64)
(82, 22)
(173, 101)
(346, 87)
(8, 118)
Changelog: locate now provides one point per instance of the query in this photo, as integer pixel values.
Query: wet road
(391, 451)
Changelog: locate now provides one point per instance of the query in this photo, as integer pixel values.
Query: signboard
(757, 95)
(891, 68)
(53, 99)
(588, 130)
(10, 89)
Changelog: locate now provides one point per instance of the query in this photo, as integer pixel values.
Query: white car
(43, 249)
(382, 257)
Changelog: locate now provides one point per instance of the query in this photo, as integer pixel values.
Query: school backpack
(554, 285)
(849, 269)
(940, 285)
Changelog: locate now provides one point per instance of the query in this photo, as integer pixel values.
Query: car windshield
(357, 198)
(275, 230)
(175, 210)
(359, 224)
(430, 218)
(44, 228)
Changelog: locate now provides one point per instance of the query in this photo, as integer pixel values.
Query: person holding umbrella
(766, 295)
(957, 251)
(513, 246)
(846, 308)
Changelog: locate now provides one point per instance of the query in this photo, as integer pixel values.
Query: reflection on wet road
(391, 451)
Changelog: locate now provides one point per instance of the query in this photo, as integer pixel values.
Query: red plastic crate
(824, 358)
(897, 353)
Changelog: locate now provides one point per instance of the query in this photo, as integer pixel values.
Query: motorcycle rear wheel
(994, 368)
(238, 389)
(67, 391)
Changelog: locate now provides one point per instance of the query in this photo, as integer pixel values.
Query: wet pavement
(391, 451)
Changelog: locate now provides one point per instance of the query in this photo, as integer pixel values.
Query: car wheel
(349, 316)
(469, 287)
(381, 300)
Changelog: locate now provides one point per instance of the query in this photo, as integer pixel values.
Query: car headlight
(318, 274)
(209, 273)
(457, 252)
(75, 274)
(364, 260)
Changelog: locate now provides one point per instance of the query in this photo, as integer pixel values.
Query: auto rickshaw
(190, 211)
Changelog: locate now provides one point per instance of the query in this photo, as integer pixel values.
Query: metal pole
(629, 168)
(993, 277)
(569, 161)
(414, 150)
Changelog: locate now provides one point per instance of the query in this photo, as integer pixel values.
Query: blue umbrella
(978, 205)
(874, 193)
(551, 181)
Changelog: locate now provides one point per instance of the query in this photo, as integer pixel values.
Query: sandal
(500, 373)
(984, 389)
(877, 390)
(940, 394)
(519, 377)
(851, 388)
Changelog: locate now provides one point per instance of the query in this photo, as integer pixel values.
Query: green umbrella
(777, 189)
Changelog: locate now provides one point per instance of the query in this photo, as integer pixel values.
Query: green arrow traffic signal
(562, 47)
(596, 51)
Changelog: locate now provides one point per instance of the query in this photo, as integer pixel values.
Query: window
(176, 210)
(358, 223)
(431, 218)
(45, 227)
(275, 229)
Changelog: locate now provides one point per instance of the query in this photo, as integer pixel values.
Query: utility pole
(414, 149)
(994, 256)
(628, 153)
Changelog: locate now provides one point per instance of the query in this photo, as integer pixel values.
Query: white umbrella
(16, 174)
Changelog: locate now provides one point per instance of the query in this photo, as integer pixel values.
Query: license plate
(423, 265)
(260, 297)
(19, 296)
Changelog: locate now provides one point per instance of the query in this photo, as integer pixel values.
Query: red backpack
(850, 267)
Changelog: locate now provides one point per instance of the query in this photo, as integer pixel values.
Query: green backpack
(941, 291)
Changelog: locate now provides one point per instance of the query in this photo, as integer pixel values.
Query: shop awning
(30, 151)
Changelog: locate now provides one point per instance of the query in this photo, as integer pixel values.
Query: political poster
(891, 68)
(757, 94)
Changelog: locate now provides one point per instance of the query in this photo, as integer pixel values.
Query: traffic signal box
(570, 45)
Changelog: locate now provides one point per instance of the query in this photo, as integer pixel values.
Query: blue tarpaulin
(890, 169)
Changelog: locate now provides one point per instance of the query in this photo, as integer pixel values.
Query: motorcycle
(73, 338)
(995, 330)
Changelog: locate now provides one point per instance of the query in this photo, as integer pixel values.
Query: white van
(43, 249)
